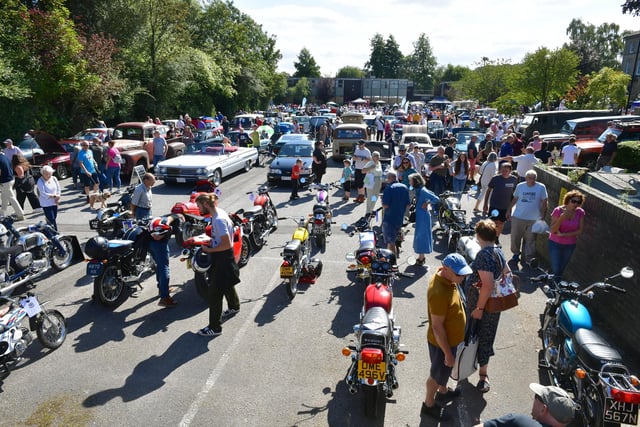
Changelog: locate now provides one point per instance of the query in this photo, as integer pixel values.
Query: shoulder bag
(504, 294)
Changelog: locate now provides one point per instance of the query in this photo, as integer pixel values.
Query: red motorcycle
(194, 223)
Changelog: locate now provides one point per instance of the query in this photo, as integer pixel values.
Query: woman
(374, 167)
(567, 222)
(50, 192)
(422, 239)
(489, 264)
(405, 171)
(113, 166)
(488, 170)
(460, 172)
(24, 183)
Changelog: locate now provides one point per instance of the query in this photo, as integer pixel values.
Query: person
(160, 230)
(524, 162)
(295, 179)
(536, 142)
(609, 150)
(188, 136)
(552, 407)
(319, 165)
(486, 148)
(570, 153)
(100, 157)
(447, 322)
(24, 183)
(141, 199)
(346, 178)
(499, 192)
(88, 169)
(160, 148)
(7, 194)
(75, 166)
(402, 155)
(438, 166)
(567, 222)
(224, 273)
(405, 170)
(488, 170)
(418, 157)
(460, 173)
(530, 203)
(489, 265)
(373, 167)
(422, 239)
(379, 128)
(543, 154)
(450, 150)
(11, 150)
(49, 195)
(506, 149)
(395, 201)
(472, 154)
(361, 155)
(114, 165)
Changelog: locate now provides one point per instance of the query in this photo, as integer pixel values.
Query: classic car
(288, 137)
(51, 152)
(280, 168)
(209, 160)
(29, 147)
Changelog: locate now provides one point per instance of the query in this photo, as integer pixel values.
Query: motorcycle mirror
(344, 227)
(412, 260)
(302, 180)
(627, 272)
(350, 257)
(342, 180)
(252, 197)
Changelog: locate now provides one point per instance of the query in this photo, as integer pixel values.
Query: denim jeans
(159, 250)
(560, 256)
(458, 186)
(51, 213)
(113, 174)
(156, 159)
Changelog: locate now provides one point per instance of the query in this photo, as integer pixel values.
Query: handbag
(504, 294)
(466, 355)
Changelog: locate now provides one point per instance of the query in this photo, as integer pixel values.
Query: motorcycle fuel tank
(573, 316)
(261, 200)
(378, 296)
(301, 234)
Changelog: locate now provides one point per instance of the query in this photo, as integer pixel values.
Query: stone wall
(610, 240)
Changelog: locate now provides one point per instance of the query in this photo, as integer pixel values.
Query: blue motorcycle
(581, 361)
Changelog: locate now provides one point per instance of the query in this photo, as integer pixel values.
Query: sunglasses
(576, 201)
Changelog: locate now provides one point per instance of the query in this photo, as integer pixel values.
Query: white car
(212, 160)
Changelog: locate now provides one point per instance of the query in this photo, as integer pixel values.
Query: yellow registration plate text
(376, 371)
(286, 271)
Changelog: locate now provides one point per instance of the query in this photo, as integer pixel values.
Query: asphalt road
(278, 362)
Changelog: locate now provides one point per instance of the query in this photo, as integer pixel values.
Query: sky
(338, 32)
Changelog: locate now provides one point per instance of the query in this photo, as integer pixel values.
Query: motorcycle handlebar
(617, 289)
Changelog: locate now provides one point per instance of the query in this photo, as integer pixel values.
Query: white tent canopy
(359, 101)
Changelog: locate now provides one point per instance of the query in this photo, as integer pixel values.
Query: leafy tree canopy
(306, 65)
(596, 47)
(350, 72)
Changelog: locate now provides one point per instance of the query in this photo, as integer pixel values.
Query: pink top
(566, 226)
(113, 152)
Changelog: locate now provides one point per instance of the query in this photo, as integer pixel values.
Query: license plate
(94, 268)
(286, 271)
(286, 178)
(188, 263)
(376, 371)
(620, 412)
(93, 224)
(182, 180)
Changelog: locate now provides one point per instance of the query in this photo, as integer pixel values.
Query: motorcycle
(367, 241)
(118, 266)
(198, 261)
(321, 225)
(581, 361)
(377, 350)
(297, 265)
(109, 221)
(31, 251)
(451, 217)
(263, 216)
(50, 327)
(192, 221)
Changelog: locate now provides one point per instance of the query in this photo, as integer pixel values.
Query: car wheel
(217, 177)
(62, 172)
(247, 166)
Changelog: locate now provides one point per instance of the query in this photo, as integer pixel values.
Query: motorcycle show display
(321, 224)
(367, 239)
(580, 360)
(50, 327)
(297, 265)
(452, 219)
(263, 216)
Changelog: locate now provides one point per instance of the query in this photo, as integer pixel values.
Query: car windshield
(295, 150)
(86, 135)
(134, 132)
(317, 121)
(28, 144)
(351, 134)
(212, 148)
(603, 135)
(568, 127)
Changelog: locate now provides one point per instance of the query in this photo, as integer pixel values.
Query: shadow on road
(274, 302)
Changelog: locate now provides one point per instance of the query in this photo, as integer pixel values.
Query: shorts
(346, 186)
(439, 371)
(390, 232)
(359, 179)
(502, 214)
(90, 181)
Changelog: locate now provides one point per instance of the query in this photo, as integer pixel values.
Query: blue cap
(457, 263)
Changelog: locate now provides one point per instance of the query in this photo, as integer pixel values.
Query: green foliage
(350, 72)
(628, 156)
(306, 65)
(596, 47)
(607, 89)
(301, 90)
(420, 66)
(386, 59)
(487, 82)
(632, 7)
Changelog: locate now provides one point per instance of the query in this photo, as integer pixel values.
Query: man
(141, 198)
(223, 273)
(552, 407)
(524, 162)
(506, 149)
(530, 202)
(447, 321)
(499, 193)
(319, 165)
(609, 150)
(88, 169)
(160, 148)
(395, 201)
(160, 230)
(536, 142)
(10, 150)
(438, 166)
(418, 157)
(379, 128)
(7, 193)
(361, 155)
(570, 153)
(99, 152)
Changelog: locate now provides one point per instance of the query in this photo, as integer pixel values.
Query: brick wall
(610, 240)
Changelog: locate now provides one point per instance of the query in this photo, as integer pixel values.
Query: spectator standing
(567, 222)
(570, 153)
(530, 203)
(438, 166)
(373, 167)
(403, 154)
(141, 199)
(347, 172)
(506, 149)
(379, 128)
(499, 194)
(49, 195)
(100, 157)
(488, 170)
(524, 162)
(418, 157)
(295, 179)
(224, 273)
(543, 154)
(423, 238)
(447, 322)
(450, 150)
(536, 142)
(23, 182)
(187, 136)
(160, 148)
(114, 165)
(160, 230)
(460, 172)
(395, 201)
(76, 171)
(11, 150)
(7, 194)
(609, 150)
(405, 170)
(361, 156)
(472, 154)
(319, 165)
(88, 168)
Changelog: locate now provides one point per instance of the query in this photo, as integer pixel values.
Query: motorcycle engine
(23, 260)
(32, 240)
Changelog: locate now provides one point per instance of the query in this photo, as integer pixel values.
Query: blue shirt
(396, 199)
(86, 158)
(6, 171)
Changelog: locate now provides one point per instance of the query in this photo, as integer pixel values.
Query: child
(346, 175)
(295, 179)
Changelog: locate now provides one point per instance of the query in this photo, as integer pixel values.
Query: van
(345, 135)
(246, 121)
(552, 121)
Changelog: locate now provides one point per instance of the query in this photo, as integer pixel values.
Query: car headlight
(275, 171)
(200, 171)
(162, 170)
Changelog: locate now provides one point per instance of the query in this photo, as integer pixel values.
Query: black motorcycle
(112, 221)
(452, 219)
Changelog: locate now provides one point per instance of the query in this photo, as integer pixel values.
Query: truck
(134, 140)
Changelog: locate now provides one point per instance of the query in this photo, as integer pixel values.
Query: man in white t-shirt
(570, 153)
(361, 156)
(525, 162)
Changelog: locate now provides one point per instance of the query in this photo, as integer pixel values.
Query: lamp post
(545, 82)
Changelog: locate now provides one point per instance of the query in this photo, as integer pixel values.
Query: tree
(488, 81)
(607, 89)
(632, 7)
(420, 66)
(302, 89)
(306, 65)
(445, 78)
(376, 64)
(393, 59)
(596, 47)
(350, 72)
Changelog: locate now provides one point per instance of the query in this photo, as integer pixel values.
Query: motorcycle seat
(254, 210)
(376, 319)
(367, 241)
(117, 247)
(12, 250)
(594, 350)
(320, 208)
(292, 248)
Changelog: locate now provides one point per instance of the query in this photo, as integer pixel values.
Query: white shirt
(525, 163)
(570, 154)
(361, 157)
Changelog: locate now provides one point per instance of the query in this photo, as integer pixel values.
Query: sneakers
(208, 332)
(229, 313)
(483, 385)
(167, 302)
(448, 396)
(435, 412)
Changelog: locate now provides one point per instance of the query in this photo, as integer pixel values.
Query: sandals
(420, 261)
(483, 385)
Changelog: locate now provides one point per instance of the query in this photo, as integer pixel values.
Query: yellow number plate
(376, 371)
(188, 263)
(286, 271)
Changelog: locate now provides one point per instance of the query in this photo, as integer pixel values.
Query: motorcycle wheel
(108, 288)
(201, 281)
(441, 217)
(591, 406)
(272, 217)
(52, 329)
(371, 394)
(452, 240)
(292, 283)
(245, 252)
(61, 261)
(256, 236)
(321, 241)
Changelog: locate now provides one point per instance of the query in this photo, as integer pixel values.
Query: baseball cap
(558, 402)
(402, 147)
(362, 142)
(457, 263)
